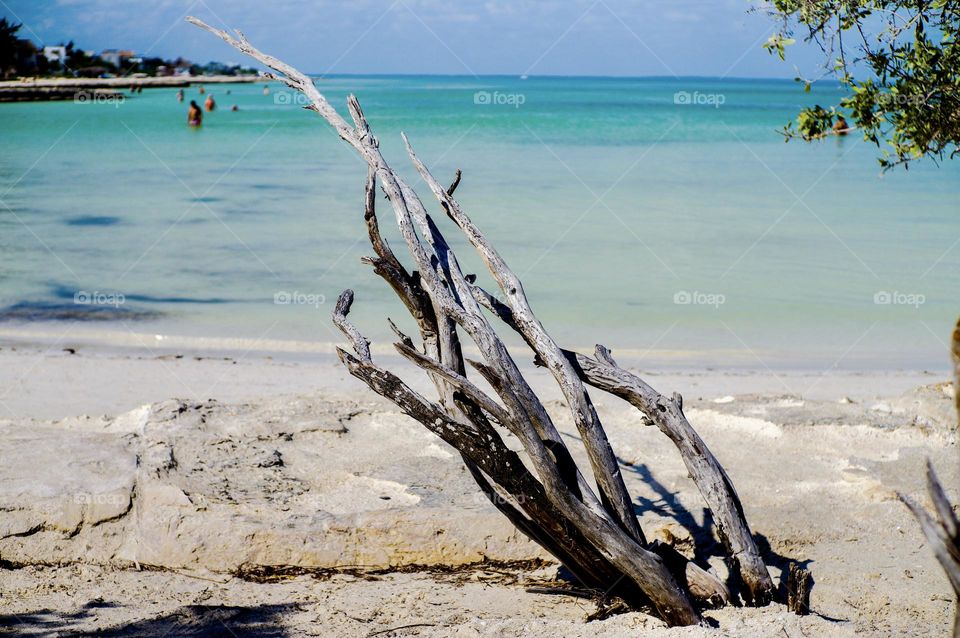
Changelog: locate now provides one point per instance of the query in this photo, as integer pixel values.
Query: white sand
(817, 475)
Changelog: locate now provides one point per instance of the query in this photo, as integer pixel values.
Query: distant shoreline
(46, 89)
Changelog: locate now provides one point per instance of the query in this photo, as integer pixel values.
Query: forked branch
(592, 529)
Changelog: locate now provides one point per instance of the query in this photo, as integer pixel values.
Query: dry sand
(277, 497)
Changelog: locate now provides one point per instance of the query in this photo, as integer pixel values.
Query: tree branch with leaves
(899, 61)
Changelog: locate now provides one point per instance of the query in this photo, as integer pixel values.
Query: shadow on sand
(705, 542)
(191, 621)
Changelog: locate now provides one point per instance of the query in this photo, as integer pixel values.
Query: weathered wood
(407, 207)
(644, 568)
(703, 586)
(711, 479)
(707, 473)
(955, 352)
(606, 469)
(360, 343)
(799, 581)
(598, 538)
(486, 450)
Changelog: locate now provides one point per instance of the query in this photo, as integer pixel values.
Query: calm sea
(666, 218)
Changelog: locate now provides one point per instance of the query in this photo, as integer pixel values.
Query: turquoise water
(613, 201)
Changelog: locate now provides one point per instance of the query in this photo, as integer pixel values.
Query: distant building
(55, 54)
(116, 57)
(181, 66)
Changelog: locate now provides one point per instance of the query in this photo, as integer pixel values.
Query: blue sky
(537, 37)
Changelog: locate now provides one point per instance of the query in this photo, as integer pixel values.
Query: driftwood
(590, 528)
(602, 372)
(798, 590)
(942, 528)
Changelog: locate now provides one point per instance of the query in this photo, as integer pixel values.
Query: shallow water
(685, 232)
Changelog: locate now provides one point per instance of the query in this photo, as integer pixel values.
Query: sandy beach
(316, 357)
(189, 493)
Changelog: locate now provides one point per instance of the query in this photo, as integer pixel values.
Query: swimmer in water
(841, 127)
(194, 115)
(180, 95)
(209, 104)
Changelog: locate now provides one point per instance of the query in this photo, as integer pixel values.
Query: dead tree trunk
(591, 529)
(943, 530)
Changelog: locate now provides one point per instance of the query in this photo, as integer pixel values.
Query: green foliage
(15, 53)
(907, 100)
(9, 46)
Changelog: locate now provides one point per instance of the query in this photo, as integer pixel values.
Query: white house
(55, 54)
(115, 57)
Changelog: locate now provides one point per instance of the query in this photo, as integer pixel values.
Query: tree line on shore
(22, 57)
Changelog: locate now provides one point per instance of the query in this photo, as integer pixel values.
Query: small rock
(274, 459)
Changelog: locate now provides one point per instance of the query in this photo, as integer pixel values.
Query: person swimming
(194, 114)
(266, 90)
(234, 108)
(841, 127)
(209, 104)
(180, 95)
(202, 90)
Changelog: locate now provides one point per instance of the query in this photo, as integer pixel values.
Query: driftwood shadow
(705, 544)
(190, 621)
